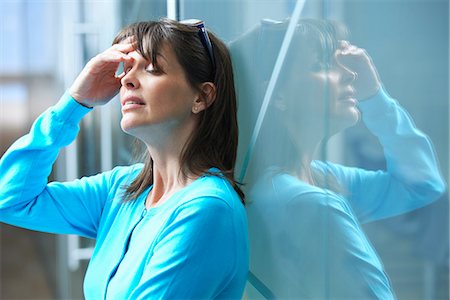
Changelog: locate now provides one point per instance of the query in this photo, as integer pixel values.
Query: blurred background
(45, 44)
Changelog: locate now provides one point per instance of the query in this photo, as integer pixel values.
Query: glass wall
(344, 149)
(344, 138)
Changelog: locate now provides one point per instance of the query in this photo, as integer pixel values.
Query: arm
(26, 200)
(412, 178)
(197, 255)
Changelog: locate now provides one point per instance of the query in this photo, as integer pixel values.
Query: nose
(130, 81)
(347, 75)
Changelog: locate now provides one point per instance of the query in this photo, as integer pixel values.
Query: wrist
(377, 105)
(368, 91)
(69, 110)
(78, 98)
(82, 104)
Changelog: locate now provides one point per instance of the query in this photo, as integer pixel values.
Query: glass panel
(409, 48)
(343, 144)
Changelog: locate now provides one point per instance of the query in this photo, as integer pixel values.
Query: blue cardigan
(194, 245)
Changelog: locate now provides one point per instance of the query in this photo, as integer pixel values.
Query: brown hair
(214, 142)
(255, 55)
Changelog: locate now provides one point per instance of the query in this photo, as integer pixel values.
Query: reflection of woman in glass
(305, 214)
(174, 227)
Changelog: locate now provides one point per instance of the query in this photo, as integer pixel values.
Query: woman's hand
(367, 82)
(98, 83)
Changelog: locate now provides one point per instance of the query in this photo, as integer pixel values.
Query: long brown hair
(214, 142)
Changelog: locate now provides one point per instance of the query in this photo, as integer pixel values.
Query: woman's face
(319, 91)
(153, 95)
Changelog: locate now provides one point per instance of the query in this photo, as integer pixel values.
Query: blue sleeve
(196, 254)
(412, 178)
(26, 198)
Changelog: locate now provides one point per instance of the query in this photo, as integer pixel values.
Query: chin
(344, 121)
(354, 117)
(127, 126)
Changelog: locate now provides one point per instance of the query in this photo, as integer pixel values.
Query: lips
(131, 103)
(347, 94)
(130, 100)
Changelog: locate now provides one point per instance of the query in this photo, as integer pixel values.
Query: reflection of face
(315, 90)
(155, 95)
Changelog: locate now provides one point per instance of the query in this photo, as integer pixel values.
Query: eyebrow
(149, 61)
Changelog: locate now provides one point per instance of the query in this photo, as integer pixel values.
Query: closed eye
(154, 71)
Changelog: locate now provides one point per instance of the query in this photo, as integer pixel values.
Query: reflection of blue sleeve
(26, 200)
(307, 244)
(412, 179)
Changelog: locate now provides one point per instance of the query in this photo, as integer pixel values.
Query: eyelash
(151, 71)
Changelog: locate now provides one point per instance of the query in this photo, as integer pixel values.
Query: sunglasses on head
(203, 35)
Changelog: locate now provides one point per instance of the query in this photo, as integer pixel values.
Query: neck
(307, 143)
(165, 148)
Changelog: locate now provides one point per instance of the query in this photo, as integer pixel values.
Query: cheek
(173, 96)
(158, 91)
(316, 87)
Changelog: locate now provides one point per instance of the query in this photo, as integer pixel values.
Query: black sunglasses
(203, 35)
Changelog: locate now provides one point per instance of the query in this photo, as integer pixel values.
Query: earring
(195, 109)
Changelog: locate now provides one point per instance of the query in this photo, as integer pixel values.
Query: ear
(206, 97)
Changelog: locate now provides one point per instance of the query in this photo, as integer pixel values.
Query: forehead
(164, 53)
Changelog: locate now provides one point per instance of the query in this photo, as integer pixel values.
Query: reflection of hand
(97, 83)
(367, 82)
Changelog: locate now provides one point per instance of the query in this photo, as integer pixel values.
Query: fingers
(107, 63)
(120, 51)
(343, 44)
(117, 53)
(345, 48)
(349, 54)
(117, 56)
(124, 47)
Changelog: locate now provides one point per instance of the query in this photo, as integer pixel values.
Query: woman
(173, 227)
(305, 214)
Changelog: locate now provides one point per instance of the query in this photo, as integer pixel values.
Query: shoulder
(122, 175)
(294, 204)
(327, 167)
(213, 190)
(211, 200)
